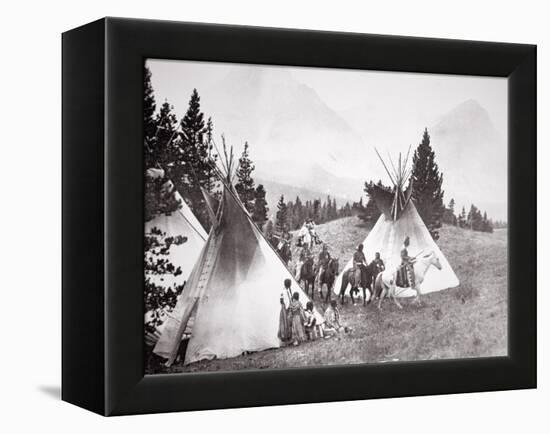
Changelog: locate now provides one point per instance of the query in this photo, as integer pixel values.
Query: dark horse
(328, 276)
(307, 275)
(367, 277)
(284, 251)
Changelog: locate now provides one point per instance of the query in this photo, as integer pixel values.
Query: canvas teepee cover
(398, 220)
(181, 222)
(233, 292)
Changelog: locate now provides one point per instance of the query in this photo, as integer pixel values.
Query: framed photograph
(258, 216)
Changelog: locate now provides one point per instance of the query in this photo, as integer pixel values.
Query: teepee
(181, 222)
(398, 220)
(233, 292)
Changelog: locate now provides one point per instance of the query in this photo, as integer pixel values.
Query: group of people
(307, 236)
(405, 272)
(322, 260)
(297, 325)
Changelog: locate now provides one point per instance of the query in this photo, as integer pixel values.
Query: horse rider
(324, 259)
(377, 265)
(310, 225)
(407, 263)
(359, 263)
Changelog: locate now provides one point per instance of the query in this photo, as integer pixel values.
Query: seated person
(332, 325)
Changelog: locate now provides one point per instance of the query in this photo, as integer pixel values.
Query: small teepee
(234, 290)
(181, 222)
(398, 220)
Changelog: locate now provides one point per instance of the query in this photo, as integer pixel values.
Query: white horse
(307, 236)
(385, 282)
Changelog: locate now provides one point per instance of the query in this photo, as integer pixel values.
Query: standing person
(377, 265)
(407, 265)
(311, 322)
(324, 258)
(297, 319)
(285, 331)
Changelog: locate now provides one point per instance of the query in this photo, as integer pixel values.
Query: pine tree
(194, 166)
(149, 124)
(245, 184)
(268, 233)
(281, 218)
(163, 153)
(156, 249)
(316, 210)
(427, 192)
(474, 219)
(370, 213)
(259, 212)
(449, 216)
(462, 218)
(299, 211)
(149, 106)
(487, 225)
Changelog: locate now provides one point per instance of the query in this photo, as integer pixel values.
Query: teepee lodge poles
(398, 176)
(234, 290)
(399, 220)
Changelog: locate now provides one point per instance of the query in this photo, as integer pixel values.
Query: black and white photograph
(303, 217)
(277, 216)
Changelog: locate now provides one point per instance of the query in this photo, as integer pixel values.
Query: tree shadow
(52, 391)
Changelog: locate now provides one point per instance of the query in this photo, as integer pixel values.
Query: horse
(308, 272)
(367, 275)
(385, 282)
(307, 238)
(328, 276)
(284, 251)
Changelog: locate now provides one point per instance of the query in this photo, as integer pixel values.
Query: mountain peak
(467, 118)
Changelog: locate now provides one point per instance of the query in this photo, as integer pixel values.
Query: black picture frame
(103, 364)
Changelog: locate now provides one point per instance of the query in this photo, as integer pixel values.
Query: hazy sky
(431, 94)
(368, 109)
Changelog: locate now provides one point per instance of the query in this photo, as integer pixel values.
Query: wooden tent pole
(384, 164)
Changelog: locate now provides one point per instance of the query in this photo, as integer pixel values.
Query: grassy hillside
(467, 321)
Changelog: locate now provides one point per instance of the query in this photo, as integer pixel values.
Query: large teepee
(398, 220)
(233, 292)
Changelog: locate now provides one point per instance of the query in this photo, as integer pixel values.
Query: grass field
(467, 321)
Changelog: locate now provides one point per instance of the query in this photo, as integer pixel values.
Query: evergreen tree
(449, 214)
(474, 219)
(299, 212)
(291, 217)
(259, 212)
(149, 107)
(486, 224)
(316, 210)
(427, 192)
(245, 184)
(268, 233)
(162, 152)
(281, 218)
(156, 249)
(345, 211)
(370, 213)
(149, 124)
(194, 166)
(462, 218)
